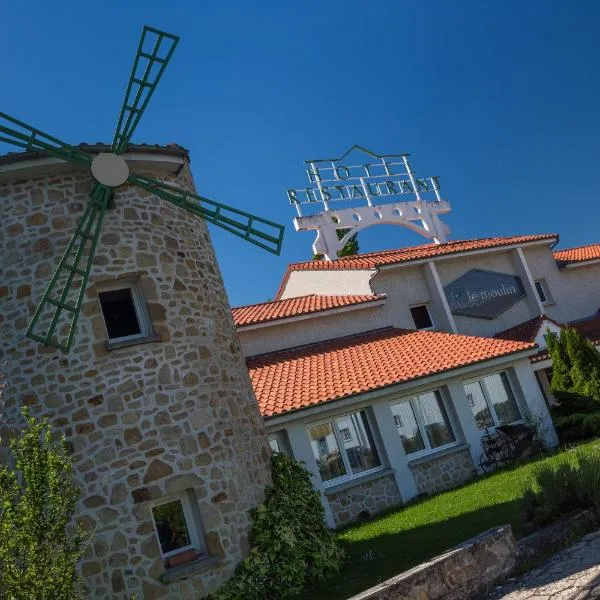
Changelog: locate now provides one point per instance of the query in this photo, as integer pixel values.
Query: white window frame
(139, 306)
(418, 418)
(545, 291)
(340, 442)
(426, 305)
(190, 522)
(490, 404)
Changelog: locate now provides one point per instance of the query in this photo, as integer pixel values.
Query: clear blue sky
(500, 99)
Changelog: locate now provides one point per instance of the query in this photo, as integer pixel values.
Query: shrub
(559, 489)
(290, 545)
(39, 543)
(575, 385)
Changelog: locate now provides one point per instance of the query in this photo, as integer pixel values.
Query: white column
(523, 270)
(303, 452)
(466, 420)
(531, 395)
(437, 292)
(394, 450)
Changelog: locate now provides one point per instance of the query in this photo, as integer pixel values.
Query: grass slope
(399, 540)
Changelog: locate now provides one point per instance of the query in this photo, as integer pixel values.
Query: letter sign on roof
(483, 294)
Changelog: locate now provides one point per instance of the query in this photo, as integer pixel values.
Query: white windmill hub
(110, 169)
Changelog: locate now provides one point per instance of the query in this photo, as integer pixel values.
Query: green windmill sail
(55, 319)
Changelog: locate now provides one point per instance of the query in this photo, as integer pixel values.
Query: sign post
(344, 193)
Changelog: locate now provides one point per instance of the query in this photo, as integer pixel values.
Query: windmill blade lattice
(261, 232)
(56, 316)
(17, 133)
(152, 57)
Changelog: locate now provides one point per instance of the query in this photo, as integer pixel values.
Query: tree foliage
(39, 543)
(350, 248)
(290, 545)
(575, 385)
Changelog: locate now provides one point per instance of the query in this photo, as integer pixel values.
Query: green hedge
(291, 547)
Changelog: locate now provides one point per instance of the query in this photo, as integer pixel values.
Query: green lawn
(406, 537)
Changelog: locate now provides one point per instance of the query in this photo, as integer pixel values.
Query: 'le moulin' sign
(483, 294)
(388, 176)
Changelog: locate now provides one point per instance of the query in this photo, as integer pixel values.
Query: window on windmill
(421, 317)
(124, 313)
(176, 528)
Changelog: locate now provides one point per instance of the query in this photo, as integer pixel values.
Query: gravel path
(573, 574)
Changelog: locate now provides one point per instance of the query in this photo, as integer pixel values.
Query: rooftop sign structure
(361, 189)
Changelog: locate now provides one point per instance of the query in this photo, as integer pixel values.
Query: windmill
(55, 319)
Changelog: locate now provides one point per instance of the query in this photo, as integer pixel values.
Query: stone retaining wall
(443, 473)
(371, 497)
(467, 572)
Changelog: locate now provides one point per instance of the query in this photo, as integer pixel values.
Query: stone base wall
(467, 572)
(372, 497)
(443, 473)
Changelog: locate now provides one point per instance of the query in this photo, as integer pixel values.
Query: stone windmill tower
(130, 349)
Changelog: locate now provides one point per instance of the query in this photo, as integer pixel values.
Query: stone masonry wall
(372, 497)
(143, 421)
(443, 473)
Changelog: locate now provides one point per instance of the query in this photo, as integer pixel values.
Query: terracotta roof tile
(526, 331)
(292, 307)
(300, 377)
(373, 260)
(579, 254)
(589, 328)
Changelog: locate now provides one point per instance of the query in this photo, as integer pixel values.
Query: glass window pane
(435, 420)
(502, 398)
(119, 313)
(478, 405)
(171, 527)
(358, 442)
(407, 428)
(327, 452)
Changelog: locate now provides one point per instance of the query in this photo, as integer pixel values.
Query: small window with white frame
(543, 292)
(492, 401)
(421, 316)
(423, 423)
(342, 454)
(175, 525)
(124, 312)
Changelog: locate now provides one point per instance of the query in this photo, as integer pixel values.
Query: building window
(124, 313)
(422, 423)
(542, 291)
(492, 401)
(421, 317)
(344, 455)
(175, 526)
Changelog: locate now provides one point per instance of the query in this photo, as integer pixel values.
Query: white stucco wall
(328, 282)
(320, 326)
(404, 288)
(575, 291)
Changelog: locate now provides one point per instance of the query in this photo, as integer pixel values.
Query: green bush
(40, 544)
(290, 545)
(575, 385)
(556, 490)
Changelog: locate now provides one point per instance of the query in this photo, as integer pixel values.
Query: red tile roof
(292, 307)
(301, 377)
(526, 331)
(590, 328)
(579, 254)
(373, 260)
